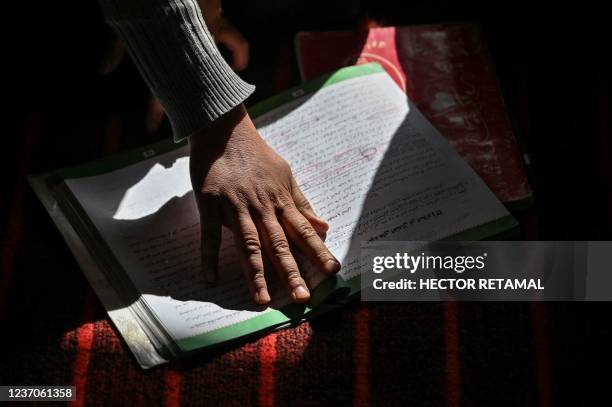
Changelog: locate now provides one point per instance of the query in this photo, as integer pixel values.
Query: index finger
(303, 235)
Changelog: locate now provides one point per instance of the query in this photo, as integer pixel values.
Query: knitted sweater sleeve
(177, 57)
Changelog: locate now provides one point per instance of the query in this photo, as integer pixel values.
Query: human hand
(240, 182)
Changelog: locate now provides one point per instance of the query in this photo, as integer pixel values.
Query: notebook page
(369, 163)
(373, 166)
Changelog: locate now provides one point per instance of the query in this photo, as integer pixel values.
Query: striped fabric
(54, 331)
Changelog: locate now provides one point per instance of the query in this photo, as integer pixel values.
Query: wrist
(232, 129)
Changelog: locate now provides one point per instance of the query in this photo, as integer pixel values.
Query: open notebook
(446, 69)
(365, 157)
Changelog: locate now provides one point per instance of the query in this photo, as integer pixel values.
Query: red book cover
(447, 71)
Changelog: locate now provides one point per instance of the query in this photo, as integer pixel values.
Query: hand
(219, 27)
(240, 182)
(225, 33)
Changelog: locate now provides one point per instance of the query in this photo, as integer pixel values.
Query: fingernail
(262, 296)
(332, 266)
(300, 294)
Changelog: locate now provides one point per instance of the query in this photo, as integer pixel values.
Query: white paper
(369, 163)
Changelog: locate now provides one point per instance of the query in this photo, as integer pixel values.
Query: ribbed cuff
(177, 57)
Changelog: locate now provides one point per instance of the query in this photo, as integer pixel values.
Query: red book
(447, 71)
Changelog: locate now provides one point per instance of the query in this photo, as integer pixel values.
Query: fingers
(113, 55)
(249, 252)
(229, 36)
(155, 115)
(210, 224)
(304, 207)
(276, 246)
(306, 238)
(267, 231)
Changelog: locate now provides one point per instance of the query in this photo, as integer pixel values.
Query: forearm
(176, 55)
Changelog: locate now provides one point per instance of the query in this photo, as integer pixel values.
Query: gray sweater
(177, 57)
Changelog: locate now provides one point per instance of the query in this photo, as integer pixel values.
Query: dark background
(553, 64)
(552, 60)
